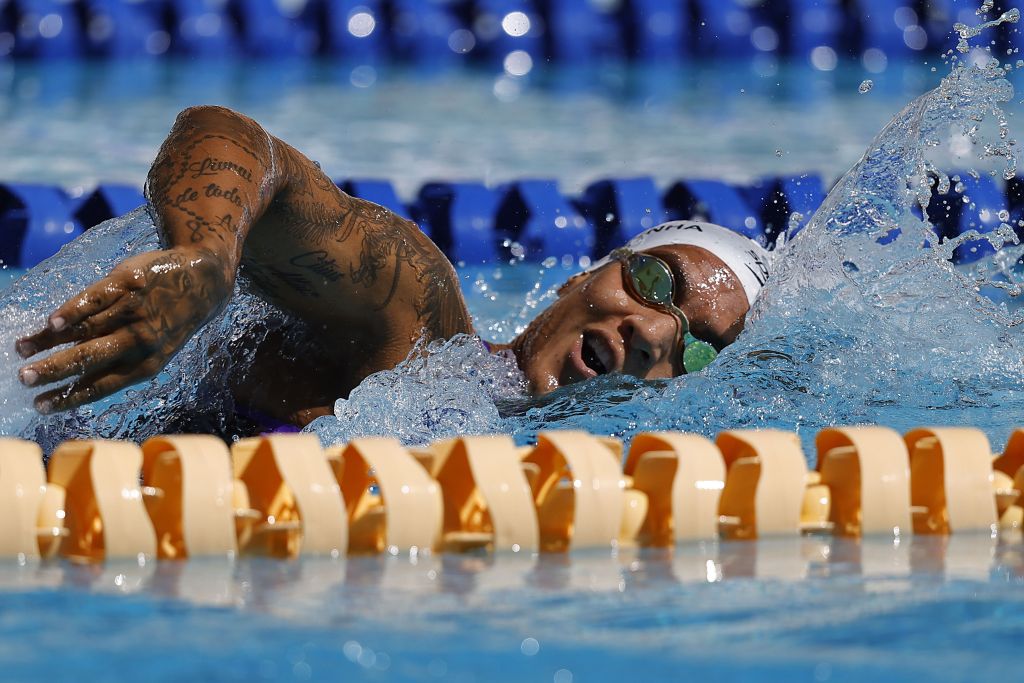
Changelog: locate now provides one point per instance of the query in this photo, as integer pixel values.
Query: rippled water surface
(79, 124)
(859, 323)
(801, 610)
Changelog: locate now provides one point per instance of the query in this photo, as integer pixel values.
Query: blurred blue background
(505, 128)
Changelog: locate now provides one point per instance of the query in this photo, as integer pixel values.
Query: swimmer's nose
(649, 340)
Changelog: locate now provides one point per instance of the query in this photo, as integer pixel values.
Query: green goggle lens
(697, 354)
(652, 280)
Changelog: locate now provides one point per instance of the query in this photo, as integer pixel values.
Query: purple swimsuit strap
(266, 424)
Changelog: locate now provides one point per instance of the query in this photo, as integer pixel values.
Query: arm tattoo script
(209, 180)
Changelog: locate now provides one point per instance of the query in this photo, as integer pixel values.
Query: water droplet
(865, 86)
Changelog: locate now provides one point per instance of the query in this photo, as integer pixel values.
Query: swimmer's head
(601, 323)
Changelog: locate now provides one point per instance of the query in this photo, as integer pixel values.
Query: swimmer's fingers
(69, 321)
(90, 388)
(107, 321)
(82, 359)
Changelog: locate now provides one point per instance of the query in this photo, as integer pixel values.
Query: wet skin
(230, 198)
(595, 318)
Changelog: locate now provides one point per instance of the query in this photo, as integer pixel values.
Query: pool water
(79, 124)
(803, 610)
(860, 323)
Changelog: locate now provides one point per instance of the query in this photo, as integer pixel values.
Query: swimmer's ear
(571, 282)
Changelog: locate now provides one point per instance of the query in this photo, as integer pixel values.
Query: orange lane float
(286, 488)
(682, 476)
(766, 478)
(22, 487)
(578, 490)
(393, 503)
(285, 496)
(189, 493)
(1008, 483)
(487, 497)
(950, 480)
(867, 473)
(103, 510)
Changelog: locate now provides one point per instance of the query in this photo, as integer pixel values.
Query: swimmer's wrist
(214, 271)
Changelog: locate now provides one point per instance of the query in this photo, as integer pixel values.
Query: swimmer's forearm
(214, 176)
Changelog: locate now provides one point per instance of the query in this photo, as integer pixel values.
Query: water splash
(966, 32)
(860, 322)
(190, 394)
(442, 390)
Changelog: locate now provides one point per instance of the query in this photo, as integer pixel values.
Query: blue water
(79, 124)
(774, 611)
(848, 331)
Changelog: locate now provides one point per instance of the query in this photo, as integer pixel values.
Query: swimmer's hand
(124, 327)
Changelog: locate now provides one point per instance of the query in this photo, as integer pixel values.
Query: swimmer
(228, 199)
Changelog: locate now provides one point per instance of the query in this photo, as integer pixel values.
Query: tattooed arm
(213, 175)
(225, 194)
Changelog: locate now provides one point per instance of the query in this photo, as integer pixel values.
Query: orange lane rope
(284, 495)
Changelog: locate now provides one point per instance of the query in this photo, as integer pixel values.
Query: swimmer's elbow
(202, 115)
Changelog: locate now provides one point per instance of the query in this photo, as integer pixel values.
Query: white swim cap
(747, 259)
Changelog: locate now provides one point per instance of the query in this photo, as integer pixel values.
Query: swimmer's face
(595, 326)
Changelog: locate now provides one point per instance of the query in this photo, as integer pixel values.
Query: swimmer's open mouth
(596, 355)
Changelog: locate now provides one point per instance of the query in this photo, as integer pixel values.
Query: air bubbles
(529, 647)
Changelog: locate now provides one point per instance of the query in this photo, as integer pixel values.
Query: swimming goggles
(650, 281)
